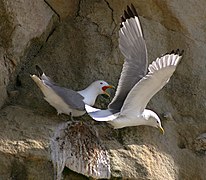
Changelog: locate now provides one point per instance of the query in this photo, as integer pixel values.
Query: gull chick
(65, 100)
(136, 85)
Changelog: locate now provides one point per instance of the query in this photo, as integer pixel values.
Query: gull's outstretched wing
(101, 115)
(72, 98)
(133, 47)
(159, 74)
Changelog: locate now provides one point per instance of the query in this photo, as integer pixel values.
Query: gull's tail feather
(42, 75)
(39, 71)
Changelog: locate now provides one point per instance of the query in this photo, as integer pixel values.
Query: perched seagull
(66, 100)
(136, 86)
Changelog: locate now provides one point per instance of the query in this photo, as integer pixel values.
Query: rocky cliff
(76, 42)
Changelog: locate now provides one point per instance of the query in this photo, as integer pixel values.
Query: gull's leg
(58, 112)
(71, 116)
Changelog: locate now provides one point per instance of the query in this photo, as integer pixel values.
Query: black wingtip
(122, 20)
(172, 52)
(39, 70)
(126, 15)
(133, 10)
(181, 53)
(176, 52)
(129, 13)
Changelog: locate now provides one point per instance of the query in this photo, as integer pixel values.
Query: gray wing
(133, 47)
(70, 97)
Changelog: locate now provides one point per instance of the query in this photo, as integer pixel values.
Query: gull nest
(77, 146)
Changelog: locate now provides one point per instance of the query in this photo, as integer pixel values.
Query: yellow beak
(161, 129)
(106, 93)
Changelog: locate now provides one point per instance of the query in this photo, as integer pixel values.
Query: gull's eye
(101, 82)
(157, 122)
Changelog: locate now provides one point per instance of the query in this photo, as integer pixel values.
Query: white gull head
(93, 90)
(152, 119)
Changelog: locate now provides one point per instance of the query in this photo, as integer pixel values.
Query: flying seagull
(136, 85)
(66, 100)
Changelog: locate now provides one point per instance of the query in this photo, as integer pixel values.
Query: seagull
(65, 100)
(136, 85)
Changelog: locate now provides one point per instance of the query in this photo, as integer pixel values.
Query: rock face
(78, 46)
(21, 22)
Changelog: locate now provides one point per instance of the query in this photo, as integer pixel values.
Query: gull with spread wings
(136, 85)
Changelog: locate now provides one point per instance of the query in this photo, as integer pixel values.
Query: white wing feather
(101, 115)
(159, 74)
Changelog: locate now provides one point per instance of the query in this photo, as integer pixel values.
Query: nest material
(77, 146)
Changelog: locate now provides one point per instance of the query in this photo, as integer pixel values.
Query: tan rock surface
(21, 22)
(63, 8)
(84, 47)
(24, 144)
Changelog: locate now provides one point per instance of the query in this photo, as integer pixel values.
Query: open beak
(161, 129)
(104, 88)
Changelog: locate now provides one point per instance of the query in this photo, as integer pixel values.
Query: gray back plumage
(70, 97)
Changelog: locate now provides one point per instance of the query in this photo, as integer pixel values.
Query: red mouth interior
(104, 88)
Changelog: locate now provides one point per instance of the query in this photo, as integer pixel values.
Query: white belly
(54, 100)
(62, 107)
(126, 121)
